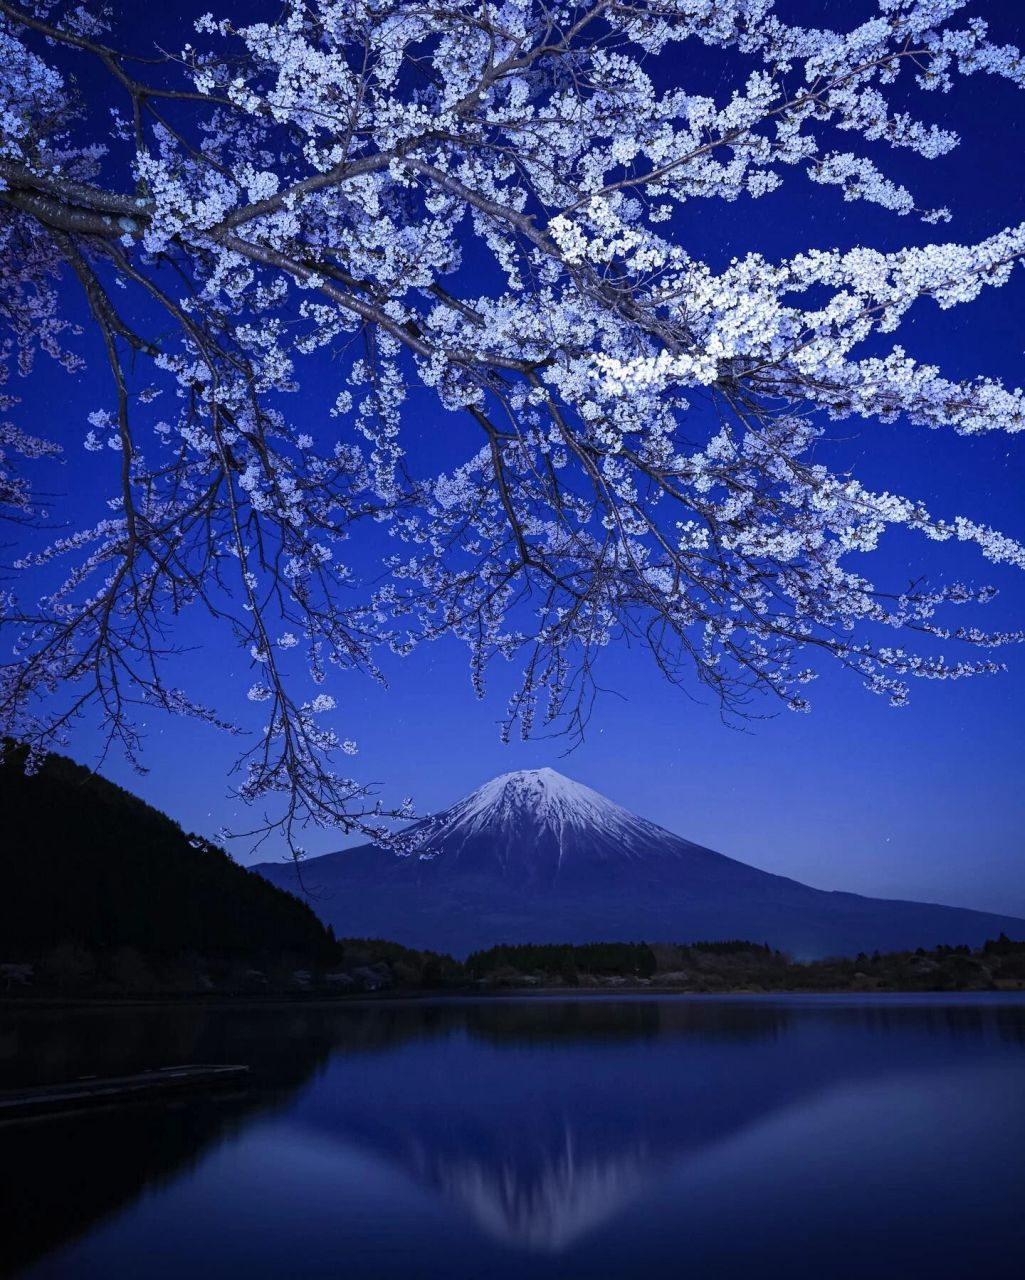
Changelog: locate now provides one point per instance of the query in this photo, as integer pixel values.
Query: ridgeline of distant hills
(104, 895)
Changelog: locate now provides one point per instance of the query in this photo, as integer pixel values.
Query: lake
(726, 1137)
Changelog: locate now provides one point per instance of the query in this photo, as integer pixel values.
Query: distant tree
(1003, 946)
(129, 971)
(70, 966)
(481, 201)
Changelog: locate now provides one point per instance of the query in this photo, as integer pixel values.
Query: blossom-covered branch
(483, 200)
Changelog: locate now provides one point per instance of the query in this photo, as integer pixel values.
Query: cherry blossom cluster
(470, 215)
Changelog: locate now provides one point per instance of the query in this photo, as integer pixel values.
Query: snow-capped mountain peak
(542, 796)
(538, 827)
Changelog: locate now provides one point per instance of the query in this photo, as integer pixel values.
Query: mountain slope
(81, 860)
(536, 857)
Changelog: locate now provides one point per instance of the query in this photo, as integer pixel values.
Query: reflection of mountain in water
(567, 1192)
(542, 1119)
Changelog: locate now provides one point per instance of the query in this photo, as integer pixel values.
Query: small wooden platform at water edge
(91, 1090)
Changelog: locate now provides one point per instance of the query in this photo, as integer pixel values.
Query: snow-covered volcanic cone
(536, 857)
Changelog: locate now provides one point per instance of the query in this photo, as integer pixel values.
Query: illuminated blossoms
(467, 216)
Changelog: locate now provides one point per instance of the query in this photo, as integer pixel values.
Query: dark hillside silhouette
(84, 862)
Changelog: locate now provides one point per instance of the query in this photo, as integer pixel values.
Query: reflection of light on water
(549, 1206)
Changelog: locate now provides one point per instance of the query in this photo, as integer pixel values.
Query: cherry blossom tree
(477, 202)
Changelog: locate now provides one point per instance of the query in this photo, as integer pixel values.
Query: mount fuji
(535, 857)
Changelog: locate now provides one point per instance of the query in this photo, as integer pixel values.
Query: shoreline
(225, 1000)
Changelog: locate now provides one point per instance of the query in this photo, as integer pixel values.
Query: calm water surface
(770, 1137)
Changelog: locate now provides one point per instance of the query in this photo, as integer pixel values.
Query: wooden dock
(104, 1090)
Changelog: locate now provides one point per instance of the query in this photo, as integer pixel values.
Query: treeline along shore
(358, 967)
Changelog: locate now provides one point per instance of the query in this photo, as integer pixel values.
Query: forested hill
(83, 861)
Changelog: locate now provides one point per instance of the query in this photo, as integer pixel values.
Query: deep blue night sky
(924, 802)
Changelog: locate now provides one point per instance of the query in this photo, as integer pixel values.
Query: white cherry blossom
(471, 214)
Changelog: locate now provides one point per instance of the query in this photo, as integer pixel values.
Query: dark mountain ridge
(85, 862)
(533, 857)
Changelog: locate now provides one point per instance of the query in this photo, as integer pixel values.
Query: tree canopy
(479, 203)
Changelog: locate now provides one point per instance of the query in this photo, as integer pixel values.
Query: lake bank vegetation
(739, 965)
(359, 966)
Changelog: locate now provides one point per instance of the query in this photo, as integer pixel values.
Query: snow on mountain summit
(540, 796)
(538, 827)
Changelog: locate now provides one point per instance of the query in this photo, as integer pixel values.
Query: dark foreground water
(763, 1137)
